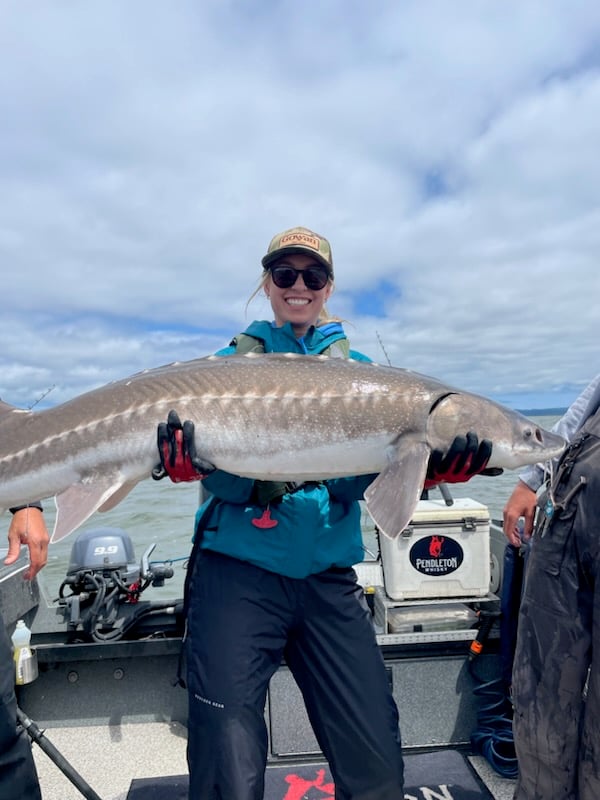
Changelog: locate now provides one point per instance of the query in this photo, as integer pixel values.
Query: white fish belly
(316, 462)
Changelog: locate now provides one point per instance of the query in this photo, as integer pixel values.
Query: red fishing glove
(177, 452)
(466, 457)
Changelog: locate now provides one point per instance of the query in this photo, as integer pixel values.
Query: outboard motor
(103, 549)
(105, 585)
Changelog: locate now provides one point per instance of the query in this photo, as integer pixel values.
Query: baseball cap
(300, 240)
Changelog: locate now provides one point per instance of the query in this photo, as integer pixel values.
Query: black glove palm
(465, 458)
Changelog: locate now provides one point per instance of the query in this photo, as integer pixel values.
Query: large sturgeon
(269, 416)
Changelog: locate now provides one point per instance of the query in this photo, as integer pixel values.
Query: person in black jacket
(556, 667)
(18, 776)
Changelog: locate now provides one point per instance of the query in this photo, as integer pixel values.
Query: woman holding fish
(271, 577)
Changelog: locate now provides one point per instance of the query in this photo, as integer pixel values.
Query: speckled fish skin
(268, 416)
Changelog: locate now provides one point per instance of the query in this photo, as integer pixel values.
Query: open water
(163, 513)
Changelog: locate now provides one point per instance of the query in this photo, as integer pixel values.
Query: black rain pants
(241, 621)
(18, 776)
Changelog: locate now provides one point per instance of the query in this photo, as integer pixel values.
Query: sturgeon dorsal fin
(5, 408)
(6, 414)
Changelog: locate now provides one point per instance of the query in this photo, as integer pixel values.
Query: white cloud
(148, 152)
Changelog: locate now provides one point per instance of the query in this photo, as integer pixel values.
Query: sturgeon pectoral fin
(392, 497)
(79, 501)
(116, 498)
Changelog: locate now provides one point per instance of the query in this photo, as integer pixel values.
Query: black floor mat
(444, 773)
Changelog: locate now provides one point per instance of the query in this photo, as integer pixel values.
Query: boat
(105, 713)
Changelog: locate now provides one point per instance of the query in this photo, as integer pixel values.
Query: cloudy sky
(449, 151)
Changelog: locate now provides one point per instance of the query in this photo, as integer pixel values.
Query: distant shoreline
(542, 412)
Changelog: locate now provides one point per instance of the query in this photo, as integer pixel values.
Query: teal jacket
(318, 526)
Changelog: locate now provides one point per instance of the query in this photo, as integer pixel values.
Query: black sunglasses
(314, 278)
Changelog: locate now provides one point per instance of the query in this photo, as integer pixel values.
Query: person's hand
(466, 457)
(177, 452)
(28, 527)
(521, 503)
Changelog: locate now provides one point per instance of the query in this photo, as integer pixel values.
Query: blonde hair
(324, 316)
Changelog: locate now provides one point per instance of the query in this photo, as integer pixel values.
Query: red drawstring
(266, 521)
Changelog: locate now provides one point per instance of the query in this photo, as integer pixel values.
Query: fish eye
(527, 433)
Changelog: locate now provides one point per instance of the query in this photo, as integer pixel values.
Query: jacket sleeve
(344, 490)
(228, 487)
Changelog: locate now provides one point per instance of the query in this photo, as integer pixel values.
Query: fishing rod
(379, 339)
(39, 737)
(41, 397)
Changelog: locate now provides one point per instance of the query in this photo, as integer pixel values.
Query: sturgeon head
(516, 441)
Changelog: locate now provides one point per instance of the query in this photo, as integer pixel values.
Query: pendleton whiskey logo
(436, 555)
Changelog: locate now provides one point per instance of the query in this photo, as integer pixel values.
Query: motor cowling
(101, 549)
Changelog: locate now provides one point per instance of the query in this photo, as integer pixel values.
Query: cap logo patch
(300, 238)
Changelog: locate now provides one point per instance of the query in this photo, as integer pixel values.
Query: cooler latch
(469, 524)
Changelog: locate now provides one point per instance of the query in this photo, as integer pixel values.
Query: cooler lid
(435, 512)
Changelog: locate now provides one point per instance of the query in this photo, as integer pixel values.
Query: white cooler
(444, 552)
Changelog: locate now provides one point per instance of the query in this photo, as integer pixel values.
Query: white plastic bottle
(24, 657)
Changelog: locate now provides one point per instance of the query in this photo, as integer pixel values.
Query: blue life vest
(306, 530)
